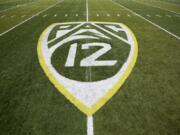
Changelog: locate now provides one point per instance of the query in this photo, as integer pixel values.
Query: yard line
(168, 15)
(128, 15)
(177, 15)
(1, 34)
(158, 7)
(44, 15)
(16, 6)
(90, 130)
(170, 33)
(8, 9)
(12, 16)
(158, 15)
(23, 16)
(87, 11)
(3, 16)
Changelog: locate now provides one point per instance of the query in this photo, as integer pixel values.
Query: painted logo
(87, 61)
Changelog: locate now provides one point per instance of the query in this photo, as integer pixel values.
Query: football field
(141, 37)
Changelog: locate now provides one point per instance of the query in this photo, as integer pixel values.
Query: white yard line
(1, 34)
(16, 6)
(157, 7)
(7, 9)
(90, 130)
(87, 11)
(170, 33)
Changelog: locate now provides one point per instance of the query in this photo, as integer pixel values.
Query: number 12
(92, 59)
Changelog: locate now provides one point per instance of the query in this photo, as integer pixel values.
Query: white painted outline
(156, 25)
(124, 71)
(1, 34)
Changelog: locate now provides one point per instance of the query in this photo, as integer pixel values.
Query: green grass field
(148, 103)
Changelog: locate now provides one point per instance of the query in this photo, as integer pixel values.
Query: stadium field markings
(19, 24)
(44, 15)
(128, 15)
(77, 92)
(23, 16)
(158, 15)
(12, 16)
(17, 6)
(157, 7)
(156, 25)
(87, 11)
(3, 16)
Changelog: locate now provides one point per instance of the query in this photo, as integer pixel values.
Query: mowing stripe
(29, 18)
(170, 33)
(157, 7)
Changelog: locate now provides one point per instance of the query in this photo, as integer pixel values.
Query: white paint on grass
(23, 16)
(156, 25)
(168, 16)
(118, 15)
(108, 15)
(128, 15)
(90, 129)
(87, 11)
(97, 14)
(15, 7)
(158, 7)
(55, 15)
(77, 15)
(44, 15)
(91, 60)
(177, 15)
(1, 34)
(148, 15)
(71, 56)
(3, 16)
(86, 92)
(157, 15)
(66, 15)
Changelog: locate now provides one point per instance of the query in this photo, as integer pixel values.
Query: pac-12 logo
(87, 61)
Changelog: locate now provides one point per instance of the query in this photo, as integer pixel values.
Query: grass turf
(148, 102)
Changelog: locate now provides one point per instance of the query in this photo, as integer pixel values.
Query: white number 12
(92, 59)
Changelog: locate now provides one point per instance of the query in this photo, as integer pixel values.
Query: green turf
(147, 104)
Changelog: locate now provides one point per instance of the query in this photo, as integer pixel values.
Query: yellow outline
(88, 111)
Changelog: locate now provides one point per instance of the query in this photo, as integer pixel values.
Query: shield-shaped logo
(87, 61)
